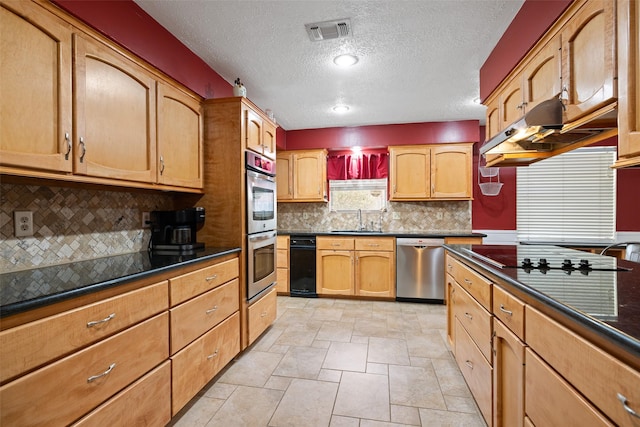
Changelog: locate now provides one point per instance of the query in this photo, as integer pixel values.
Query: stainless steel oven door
(261, 202)
(261, 262)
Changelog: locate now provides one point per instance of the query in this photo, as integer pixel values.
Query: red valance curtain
(357, 166)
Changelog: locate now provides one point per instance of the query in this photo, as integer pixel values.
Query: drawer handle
(264, 313)
(107, 372)
(468, 316)
(336, 244)
(374, 245)
(211, 356)
(210, 278)
(468, 282)
(504, 310)
(211, 310)
(626, 407)
(469, 363)
(97, 322)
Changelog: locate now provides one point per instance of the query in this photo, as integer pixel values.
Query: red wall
(383, 135)
(126, 23)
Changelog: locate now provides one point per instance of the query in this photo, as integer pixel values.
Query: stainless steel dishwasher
(420, 269)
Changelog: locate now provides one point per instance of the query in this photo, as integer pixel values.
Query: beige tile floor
(333, 363)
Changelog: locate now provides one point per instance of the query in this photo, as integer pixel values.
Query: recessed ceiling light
(345, 60)
(341, 109)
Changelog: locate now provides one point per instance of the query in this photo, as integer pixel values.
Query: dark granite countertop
(607, 303)
(427, 234)
(25, 290)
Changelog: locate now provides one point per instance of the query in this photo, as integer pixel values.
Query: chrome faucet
(360, 226)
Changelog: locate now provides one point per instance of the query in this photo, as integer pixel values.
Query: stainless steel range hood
(541, 133)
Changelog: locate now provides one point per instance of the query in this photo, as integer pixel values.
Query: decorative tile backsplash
(453, 216)
(72, 224)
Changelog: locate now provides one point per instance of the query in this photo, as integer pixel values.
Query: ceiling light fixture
(341, 109)
(345, 60)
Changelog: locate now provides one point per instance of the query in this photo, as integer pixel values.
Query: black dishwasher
(302, 266)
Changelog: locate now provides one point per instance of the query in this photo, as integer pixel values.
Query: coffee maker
(174, 232)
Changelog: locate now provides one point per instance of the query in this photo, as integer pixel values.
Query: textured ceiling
(419, 59)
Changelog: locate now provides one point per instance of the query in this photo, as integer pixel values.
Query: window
(355, 194)
(568, 198)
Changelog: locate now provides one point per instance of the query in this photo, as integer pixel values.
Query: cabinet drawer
(30, 345)
(191, 284)
(375, 244)
(262, 314)
(475, 369)
(475, 319)
(147, 402)
(510, 310)
(551, 401)
(71, 387)
(573, 357)
(337, 243)
(200, 361)
(477, 285)
(197, 316)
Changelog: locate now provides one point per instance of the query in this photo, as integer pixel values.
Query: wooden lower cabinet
(88, 377)
(262, 314)
(551, 401)
(363, 266)
(195, 365)
(147, 402)
(475, 370)
(197, 316)
(282, 265)
(186, 286)
(508, 377)
(475, 319)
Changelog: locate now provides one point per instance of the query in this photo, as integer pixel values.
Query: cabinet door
(410, 173)
(508, 377)
(375, 274)
(115, 115)
(541, 78)
(253, 131)
(451, 311)
(451, 176)
(588, 59)
(35, 105)
(335, 272)
(284, 176)
(269, 140)
(511, 102)
(309, 172)
(179, 138)
(629, 79)
(493, 123)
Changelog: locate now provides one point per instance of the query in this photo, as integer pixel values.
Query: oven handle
(262, 236)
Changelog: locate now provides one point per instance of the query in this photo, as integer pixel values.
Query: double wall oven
(261, 224)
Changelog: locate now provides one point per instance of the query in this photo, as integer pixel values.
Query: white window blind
(568, 198)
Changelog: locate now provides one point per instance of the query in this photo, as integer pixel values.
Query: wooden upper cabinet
(628, 83)
(493, 124)
(541, 77)
(511, 102)
(269, 139)
(115, 114)
(35, 83)
(589, 59)
(260, 134)
(451, 176)
(284, 176)
(180, 156)
(409, 172)
(301, 176)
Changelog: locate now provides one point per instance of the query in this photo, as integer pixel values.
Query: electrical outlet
(146, 219)
(439, 215)
(305, 215)
(395, 215)
(23, 223)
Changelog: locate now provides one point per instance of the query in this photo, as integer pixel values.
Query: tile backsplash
(400, 216)
(73, 224)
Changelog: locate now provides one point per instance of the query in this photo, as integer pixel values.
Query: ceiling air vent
(329, 30)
